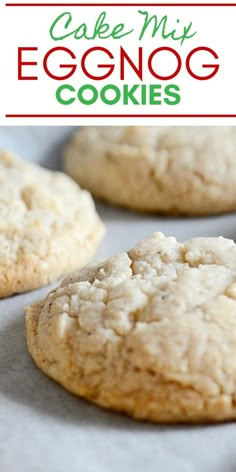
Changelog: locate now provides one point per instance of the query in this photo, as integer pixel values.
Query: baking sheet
(43, 428)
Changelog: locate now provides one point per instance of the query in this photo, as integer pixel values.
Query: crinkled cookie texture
(151, 332)
(179, 170)
(48, 226)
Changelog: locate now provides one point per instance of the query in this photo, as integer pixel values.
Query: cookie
(151, 332)
(48, 226)
(178, 170)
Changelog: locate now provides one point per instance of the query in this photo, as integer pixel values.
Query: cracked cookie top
(186, 170)
(45, 221)
(149, 332)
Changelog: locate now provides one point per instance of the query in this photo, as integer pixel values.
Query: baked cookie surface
(151, 332)
(48, 226)
(176, 170)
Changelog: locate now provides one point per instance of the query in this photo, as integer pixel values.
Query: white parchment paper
(43, 428)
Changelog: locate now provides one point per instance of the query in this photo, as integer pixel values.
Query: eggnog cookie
(48, 226)
(151, 332)
(186, 170)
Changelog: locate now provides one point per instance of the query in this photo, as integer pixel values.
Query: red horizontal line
(120, 116)
(120, 4)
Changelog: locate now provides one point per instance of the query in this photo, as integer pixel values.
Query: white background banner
(153, 55)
